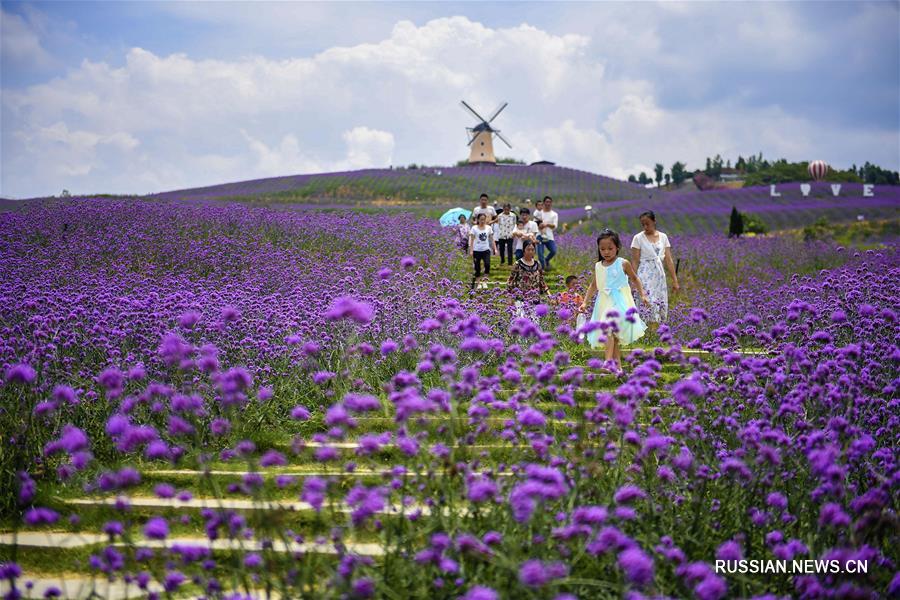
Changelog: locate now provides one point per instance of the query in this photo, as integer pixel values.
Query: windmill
(481, 140)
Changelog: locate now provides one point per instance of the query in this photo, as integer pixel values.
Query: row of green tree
(676, 175)
(502, 160)
(756, 170)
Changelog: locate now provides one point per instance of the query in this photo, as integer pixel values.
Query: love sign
(868, 190)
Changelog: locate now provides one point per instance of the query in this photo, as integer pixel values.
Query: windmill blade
(497, 111)
(497, 133)
(471, 110)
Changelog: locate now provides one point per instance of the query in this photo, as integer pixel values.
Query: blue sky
(138, 97)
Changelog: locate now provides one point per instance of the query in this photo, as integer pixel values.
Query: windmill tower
(481, 140)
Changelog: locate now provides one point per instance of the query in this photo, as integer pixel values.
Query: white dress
(652, 274)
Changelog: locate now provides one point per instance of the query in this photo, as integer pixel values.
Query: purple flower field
(226, 401)
(698, 213)
(511, 183)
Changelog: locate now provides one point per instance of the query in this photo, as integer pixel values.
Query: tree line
(757, 170)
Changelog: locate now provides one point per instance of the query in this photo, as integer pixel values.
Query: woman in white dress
(650, 249)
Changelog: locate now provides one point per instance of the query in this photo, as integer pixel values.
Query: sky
(143, 97)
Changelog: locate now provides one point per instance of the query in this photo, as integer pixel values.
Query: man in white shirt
(548, 222)
(484, 208)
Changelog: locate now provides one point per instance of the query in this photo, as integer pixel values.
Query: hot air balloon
(818, 169)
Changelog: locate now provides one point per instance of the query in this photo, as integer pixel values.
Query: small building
(728, 174)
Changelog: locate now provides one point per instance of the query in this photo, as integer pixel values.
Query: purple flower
(346, 307)
(534, 573)
(832, 514)
(481, 490)
(777, 500)
(189, 319)
(363, 588)
(314, 489)
(173, 580)
(361, 402)
(637, 565)
(40, 516)
(629, 493)
(299, 413)
(63, 393)
(531, 417)
(230, 314)
(730, 550)
(10, 570)
(164, 490)
(156, 528)
(272, 458)
(480, 592)
(20, 373)
(253, 560)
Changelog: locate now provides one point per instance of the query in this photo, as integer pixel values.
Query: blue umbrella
(451, 217)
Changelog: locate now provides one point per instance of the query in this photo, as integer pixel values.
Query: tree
(735, 223)
(659, 173)
(643, 179)
(753, 224)
(667, 178)
(679, 173)
(740, 165)
(716, 167)
(632, 179)
(708, 169)
(728, 164)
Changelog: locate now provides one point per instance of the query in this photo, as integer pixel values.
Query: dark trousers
(480, 256)
(506, 250)
(519, 254)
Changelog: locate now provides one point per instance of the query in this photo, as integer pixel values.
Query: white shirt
(488, 210)
(650, 252)
(549, 217)
(507, 224)
(530, 229)
(481, 238)
(642, 243)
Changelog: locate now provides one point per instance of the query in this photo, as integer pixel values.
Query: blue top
(615, 275)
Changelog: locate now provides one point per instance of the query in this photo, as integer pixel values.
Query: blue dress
(614, 294)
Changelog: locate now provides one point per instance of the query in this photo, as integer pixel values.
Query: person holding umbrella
(462, 233)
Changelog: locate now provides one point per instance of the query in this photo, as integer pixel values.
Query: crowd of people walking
(525, 242)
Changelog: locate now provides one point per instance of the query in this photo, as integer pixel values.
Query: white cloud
(20, 41)
(368, 147)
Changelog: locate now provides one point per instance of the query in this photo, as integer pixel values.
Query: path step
(155, 503)
(266, 473)
(77, 588)
(38, 539)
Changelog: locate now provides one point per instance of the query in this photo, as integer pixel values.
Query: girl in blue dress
(615, 303)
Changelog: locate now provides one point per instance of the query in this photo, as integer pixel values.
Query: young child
(611, 277)
(462, 233)
(572, 300)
